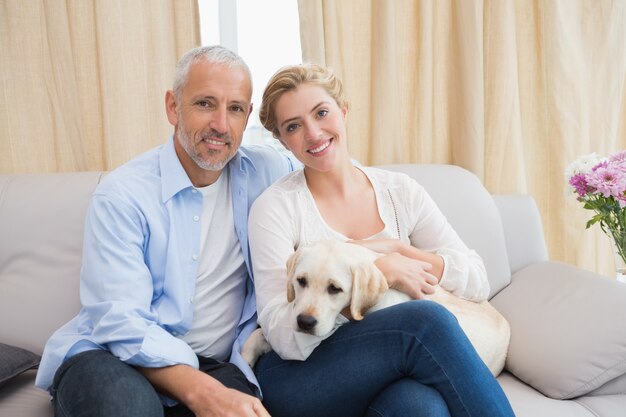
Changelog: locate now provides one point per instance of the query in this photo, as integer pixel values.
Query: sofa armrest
(523, 231)
(568, 332)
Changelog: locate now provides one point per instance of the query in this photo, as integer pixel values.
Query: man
(166, 282)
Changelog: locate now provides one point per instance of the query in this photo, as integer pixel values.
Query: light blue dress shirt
(140, 260)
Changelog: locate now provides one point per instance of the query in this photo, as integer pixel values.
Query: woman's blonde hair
(289, 78)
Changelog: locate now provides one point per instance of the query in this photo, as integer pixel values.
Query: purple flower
(579, 182)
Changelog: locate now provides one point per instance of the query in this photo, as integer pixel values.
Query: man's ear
(291, 268)
(368, 285)
(171, 107)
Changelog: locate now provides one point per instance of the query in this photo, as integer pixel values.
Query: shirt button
(194, 257)
(193, 190)
(196, 218)
(190, 300)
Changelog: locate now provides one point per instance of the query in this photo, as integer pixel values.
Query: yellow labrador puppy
(326, 277)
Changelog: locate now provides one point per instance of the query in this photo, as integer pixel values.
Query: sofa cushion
(14, 361)
(41, 229)
(527, 402)
(21, 398)
(568, 334)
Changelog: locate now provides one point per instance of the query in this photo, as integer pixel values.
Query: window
(266, 34)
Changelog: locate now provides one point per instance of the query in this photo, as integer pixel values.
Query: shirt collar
(240, 160)
(174, 177)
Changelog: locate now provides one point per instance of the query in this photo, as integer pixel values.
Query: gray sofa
(568, 346)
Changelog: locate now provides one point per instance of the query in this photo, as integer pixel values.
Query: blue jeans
(96, 383)
(411, 359)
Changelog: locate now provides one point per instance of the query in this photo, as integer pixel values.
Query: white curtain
(511, 90)
(83, 82)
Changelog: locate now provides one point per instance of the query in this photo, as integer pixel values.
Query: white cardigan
(285, 217)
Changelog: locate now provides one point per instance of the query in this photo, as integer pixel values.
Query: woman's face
(312, 126)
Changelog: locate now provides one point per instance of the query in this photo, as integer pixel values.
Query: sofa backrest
(41, 235)
(471, 211)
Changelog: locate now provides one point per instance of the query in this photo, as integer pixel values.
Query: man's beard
(187, 143)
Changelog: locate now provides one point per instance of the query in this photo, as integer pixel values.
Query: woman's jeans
(95, 383)
(409, 360)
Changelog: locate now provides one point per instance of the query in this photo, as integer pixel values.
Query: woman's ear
(171, 107)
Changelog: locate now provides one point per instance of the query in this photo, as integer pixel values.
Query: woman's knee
(425, 312)
(407, 397)
(425, 320)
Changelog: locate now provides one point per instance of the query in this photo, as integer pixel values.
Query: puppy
(328, 276)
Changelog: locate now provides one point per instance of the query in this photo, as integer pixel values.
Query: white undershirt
(221, 281)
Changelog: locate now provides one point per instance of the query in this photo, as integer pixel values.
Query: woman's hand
(407, 275)
(417, 271)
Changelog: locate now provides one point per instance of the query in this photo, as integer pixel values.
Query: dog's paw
(255, 346)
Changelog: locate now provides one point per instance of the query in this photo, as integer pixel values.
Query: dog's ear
(291, 268)
(368, 285)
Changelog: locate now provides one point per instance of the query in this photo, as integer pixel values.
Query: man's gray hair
(214, 54)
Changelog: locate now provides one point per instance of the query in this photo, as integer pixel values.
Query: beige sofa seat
(41, 223)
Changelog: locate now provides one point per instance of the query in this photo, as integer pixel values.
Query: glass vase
(618, 243)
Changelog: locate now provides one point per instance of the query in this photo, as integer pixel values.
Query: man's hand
(407, 275)
(227, 402)
(203, 394)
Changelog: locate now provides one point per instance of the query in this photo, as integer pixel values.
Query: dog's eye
(301, 281)
(334, 290)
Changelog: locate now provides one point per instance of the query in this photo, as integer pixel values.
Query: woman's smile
(317, 151)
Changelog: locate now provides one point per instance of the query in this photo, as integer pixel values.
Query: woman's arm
(273, 238)
(464, 272)
(432, 253)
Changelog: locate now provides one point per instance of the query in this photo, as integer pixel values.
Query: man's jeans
(409, 360)
(96, 383)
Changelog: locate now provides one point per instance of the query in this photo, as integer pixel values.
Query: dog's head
(328, 276)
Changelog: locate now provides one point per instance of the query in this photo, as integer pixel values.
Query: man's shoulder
(139, 175)
(266, 163)
(264, 153)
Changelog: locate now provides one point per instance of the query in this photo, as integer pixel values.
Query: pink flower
(618, 157)
(608, 180)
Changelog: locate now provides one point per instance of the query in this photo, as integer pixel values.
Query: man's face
(209, 118)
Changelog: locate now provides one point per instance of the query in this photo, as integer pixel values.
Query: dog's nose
(306, 323)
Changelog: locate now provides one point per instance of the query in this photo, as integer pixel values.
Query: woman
(408, 360)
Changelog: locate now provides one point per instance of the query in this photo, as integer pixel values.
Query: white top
(222, 274)
(285, 216)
